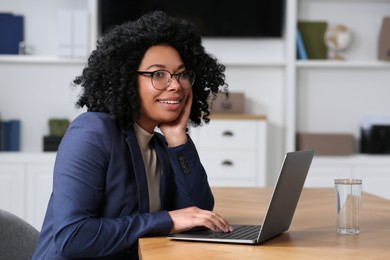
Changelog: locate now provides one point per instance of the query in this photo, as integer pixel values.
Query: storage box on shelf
(232, 149)
(327, 144)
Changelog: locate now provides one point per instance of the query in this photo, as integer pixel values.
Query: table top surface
(312, 234)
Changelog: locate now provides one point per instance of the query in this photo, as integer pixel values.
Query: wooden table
(312, 234)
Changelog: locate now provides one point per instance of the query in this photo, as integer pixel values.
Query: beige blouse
(152, 168)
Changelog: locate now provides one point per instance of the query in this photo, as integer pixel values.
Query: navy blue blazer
(99, 206)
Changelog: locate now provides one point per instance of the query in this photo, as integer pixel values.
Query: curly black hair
(109, 81)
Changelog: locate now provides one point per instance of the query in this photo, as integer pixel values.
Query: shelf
(343, 64)
(16, 157)
(38, 59)
(254, 63)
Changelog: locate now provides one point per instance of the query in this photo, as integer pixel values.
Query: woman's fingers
(191, 217)
(217, 222)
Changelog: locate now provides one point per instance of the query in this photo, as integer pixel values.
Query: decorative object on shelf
(10, 135)
(57, 129)
(313, 38)
(232, 104)
(58, 126)
(301, 50)
(337, 38)
(11, 33)
(384, 40)
(25, 49)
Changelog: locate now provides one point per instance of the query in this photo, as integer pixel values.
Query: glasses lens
(162, 78)
(186, 79)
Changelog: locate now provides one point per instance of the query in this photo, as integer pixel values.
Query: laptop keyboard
(239, 232)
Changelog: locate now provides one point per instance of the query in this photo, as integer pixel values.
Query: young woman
(115, 178)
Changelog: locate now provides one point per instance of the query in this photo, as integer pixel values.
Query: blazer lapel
(166, 181)
(139, 169)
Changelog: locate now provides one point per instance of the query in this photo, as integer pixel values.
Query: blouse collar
(143, 136)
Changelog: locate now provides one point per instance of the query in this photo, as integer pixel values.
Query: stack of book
(10, 135)
(11, 33)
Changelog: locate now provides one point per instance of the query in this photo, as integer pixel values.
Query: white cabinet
(373, 170)
(40, 183)
(26, 184)
(12, 185)
(232, 149)
(376, 178)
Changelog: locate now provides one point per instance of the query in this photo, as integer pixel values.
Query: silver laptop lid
(286, 194)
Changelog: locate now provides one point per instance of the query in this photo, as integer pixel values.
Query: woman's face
(158, 106)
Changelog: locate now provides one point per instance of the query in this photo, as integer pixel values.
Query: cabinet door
(233, 151)
(39, 187)
(230, 168)
(12, 188)
(229, 134)
(324, 175)
(375, 179)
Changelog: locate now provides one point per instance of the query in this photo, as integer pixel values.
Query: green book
(313, 33)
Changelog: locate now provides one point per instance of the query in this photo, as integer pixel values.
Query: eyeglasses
(161, 79)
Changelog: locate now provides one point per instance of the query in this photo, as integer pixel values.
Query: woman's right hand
(187, 218)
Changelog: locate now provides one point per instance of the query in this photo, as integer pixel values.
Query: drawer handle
(228, 133)
(227, 163)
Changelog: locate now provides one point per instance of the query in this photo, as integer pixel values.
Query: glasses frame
(177, 76)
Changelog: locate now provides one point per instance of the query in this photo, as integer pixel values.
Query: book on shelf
(313, 33)
(10, 135)
(1, 136)
(301, 50)
(11, 33)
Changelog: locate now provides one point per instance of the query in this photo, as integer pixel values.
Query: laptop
(280, 210)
